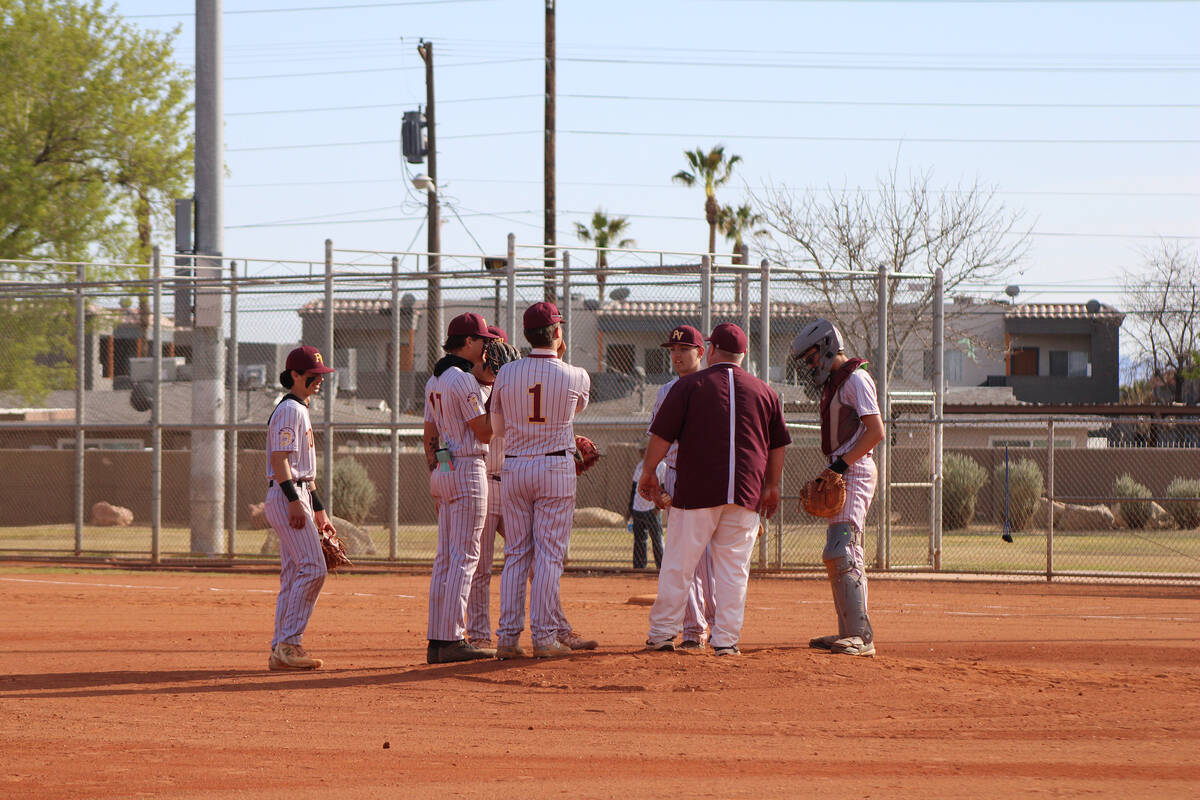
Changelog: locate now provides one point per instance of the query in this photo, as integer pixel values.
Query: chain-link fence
(136, 398)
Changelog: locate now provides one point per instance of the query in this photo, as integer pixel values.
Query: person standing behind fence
(456, 435)
(644, 521)
(686, 346)
(533, 405)
(851, 426)
(731, 434)
(294, 510)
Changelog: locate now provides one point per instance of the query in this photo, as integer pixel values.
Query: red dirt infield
(146, 684)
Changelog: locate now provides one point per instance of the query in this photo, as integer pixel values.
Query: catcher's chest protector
(838, 422)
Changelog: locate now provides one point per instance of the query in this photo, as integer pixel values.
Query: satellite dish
(620, 293)
(1012, 290)
(1093, 306)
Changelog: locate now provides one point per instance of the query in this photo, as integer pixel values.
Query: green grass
(979, 549)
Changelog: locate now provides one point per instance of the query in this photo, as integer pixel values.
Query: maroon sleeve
(668, 422)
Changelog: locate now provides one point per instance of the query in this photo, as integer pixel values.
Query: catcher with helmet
(851, 426)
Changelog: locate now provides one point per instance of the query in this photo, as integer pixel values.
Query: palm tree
(712, 169)
(735, 223)
(603, 233)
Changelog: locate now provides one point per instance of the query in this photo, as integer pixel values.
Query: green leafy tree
(94, 142)
(604, 233)
(710, 170)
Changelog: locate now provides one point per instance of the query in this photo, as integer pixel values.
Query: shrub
(1186, 508)
(352, 493)
(1025, 487)
(1135, 513)
(962, 478)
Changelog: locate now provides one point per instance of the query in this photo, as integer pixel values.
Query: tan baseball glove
(586, 454)
(824, 495)
(334, 551)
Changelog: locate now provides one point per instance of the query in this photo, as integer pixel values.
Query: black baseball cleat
(450, 652)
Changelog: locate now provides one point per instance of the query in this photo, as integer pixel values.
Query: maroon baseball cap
(728, 337)
(469, 324)
(498, 332)
(685, 334)
(307, 359)
(541, 315)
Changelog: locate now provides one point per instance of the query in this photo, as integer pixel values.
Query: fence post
(883, 450)
(764, 331)
(327, 347)
(705, 295)
(566, 307)
(1050, 500)
(231, 441)
(80, 376)
(939, 397)
(511, 274)
(394, 417)
(156, 410)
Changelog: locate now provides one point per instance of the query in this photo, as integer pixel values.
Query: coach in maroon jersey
(731, 434)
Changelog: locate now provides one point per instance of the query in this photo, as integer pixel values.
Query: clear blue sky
(1085, 116)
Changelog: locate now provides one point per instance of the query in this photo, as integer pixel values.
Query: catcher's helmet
(825, 337)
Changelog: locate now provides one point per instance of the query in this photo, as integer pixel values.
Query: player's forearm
(656, 451)
(872, 435)
(774, 471)
(429, 440)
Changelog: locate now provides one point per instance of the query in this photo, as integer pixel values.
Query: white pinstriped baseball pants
(539, 501)
(479, 624)
(700, 612)
(729, 531)
(301, 566)
(461, 507)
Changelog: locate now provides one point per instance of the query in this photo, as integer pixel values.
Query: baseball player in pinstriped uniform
(294, 510)
(686, 345)
(456, 435)
(533, 404)
(479, 631)
(731, 434)
(851, 426)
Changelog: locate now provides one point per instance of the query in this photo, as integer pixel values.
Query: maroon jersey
(726, 421)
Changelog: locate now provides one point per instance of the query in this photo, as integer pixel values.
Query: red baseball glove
(586, 454)
(824, 495)
(334, 551)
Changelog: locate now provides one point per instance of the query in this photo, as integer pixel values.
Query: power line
(378, 69)
(880, 103)
(888, 139)
(875, 67)
(313, 8)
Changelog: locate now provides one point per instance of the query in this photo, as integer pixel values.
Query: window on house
(1069, 363)
(952, 366)
(620, 358)
(658, 361)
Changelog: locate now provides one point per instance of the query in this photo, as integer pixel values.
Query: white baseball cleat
(853, 646)
(555, 649)
(575, 641)
(292, 656)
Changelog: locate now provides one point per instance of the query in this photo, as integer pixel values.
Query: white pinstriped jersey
(663, 391)
(451, 399)
(858, 393)
(534, 402)
(495, 454)
(290, 431)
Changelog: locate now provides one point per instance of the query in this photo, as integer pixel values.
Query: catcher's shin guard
(844, 565)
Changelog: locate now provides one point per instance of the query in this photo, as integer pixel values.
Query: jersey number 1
(535, 403)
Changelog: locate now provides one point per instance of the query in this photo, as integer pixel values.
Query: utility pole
(549, 237)
(433, 298)
(206, 485)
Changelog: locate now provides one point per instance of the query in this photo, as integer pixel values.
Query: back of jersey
(538, 397)
(451, 399)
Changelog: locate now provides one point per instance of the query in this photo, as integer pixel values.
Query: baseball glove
(498, 354)
(334, 551)
(586, 454)
(824, 495)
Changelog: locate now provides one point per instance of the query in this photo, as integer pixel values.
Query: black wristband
(289, 490)
(317, 505)
(840, 466)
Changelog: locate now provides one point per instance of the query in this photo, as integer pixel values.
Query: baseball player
(479, 632)
(851, 426)
(686, 345)
(533, 405)
(731, 435)
(456, 435)
(294, 510)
